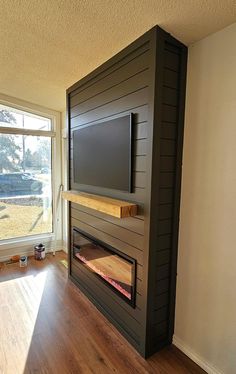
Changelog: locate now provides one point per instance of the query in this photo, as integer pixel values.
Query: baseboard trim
(209, 368)
(27, 251)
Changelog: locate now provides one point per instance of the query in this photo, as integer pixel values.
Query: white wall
(205, 324)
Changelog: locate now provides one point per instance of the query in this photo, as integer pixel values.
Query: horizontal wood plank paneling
(139, 163)
(127, 236)
(160, 329)
(101, 293)
(133, 84)
(119, 76)
(167, 164)
(164, 257)
(161, 314)
(167, 180)
(139, 270)
(140, 114)
(139, 179)
(165, 211)
(168, 147)
(140, 130)
(163, 271)
(161, 300)
(169, 113)
(164, 226)
(166, 196)
(98, 78)
(168, 130)
(140, 147)
(171, 78)
(124, 85)
(162, 286)
(130, 223)
(170, 96)
(139, 287)
(163, 242)
(172, 60)
(127, 102)
(169, 46)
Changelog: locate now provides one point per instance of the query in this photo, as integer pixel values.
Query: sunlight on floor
(17, 324)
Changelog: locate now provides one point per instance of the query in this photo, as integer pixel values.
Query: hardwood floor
(48, 326)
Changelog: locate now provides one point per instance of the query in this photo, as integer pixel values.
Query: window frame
(55, 237)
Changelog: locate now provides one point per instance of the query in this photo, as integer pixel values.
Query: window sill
(24, 241)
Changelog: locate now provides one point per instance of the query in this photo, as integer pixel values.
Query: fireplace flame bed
(113, 267)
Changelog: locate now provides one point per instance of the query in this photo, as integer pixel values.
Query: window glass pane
(10, 117)
(25, 185)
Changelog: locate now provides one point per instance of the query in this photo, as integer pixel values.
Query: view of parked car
(45, 170)
(20, 182)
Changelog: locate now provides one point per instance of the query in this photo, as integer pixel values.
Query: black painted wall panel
(125, 88)
(120, 89)
(133, 224)
(128, 83)
(167, 193)
(136, 66)
(140, 116)
(113, 65)
(126, 103)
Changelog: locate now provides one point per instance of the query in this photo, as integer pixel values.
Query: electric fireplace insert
(115, 269)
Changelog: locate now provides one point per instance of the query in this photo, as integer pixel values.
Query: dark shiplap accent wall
(128, 83)
(120, 88)
(165, 194)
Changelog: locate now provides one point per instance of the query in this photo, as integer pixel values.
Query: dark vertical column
(167, 160)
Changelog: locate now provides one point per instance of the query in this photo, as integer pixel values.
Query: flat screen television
(102, 154)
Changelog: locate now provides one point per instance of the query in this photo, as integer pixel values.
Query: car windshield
(27, 176)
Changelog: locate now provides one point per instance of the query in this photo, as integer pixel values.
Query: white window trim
(17, 131)
(54, 239)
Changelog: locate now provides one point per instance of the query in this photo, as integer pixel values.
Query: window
(26, 188)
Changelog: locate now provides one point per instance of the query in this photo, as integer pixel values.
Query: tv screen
(102, 154)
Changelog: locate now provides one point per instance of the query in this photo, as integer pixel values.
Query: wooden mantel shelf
(113, 207)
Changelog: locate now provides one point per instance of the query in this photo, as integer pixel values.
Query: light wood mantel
(113, 207)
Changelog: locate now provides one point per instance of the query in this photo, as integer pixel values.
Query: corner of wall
(208, 367)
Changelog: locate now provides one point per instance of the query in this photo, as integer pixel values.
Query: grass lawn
(23, 217)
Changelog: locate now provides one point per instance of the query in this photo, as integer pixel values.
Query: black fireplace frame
(132, 301)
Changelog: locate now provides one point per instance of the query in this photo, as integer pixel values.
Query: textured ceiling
(47, 45)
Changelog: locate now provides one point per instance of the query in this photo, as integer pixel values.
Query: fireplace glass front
(114, 268)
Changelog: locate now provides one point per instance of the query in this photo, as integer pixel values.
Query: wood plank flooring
(48, 326)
